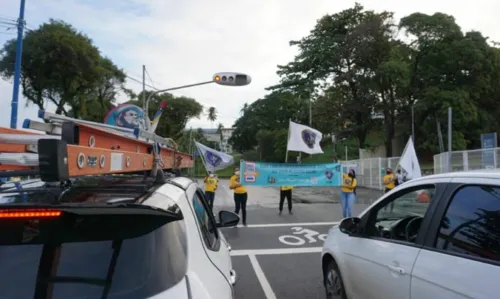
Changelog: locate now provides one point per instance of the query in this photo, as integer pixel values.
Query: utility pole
(450, 131)
(144, 86)
(413, 124)
(17, 66)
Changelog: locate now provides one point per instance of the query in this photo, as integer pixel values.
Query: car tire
(334, 285)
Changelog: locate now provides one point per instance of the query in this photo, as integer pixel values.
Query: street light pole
(150, 96)
(17, 67)
(225, 78)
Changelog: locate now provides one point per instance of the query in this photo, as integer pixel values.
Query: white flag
(409, 161)
(214, 160)
(303, 139)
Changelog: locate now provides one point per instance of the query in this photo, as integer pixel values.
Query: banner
(287, 174)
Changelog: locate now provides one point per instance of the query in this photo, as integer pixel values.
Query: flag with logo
(214, 160)
(303, 139)
(409, 161)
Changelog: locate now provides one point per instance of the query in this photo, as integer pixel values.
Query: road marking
(309, 234)
(253, 252)
(264, 283)
(289, 224)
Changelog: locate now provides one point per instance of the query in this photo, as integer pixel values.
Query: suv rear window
(80, 257)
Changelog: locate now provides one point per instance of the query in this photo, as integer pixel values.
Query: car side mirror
(228, 219)
(350, 226)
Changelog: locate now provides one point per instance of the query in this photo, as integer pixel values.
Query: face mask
(212, 175)
(236, 173)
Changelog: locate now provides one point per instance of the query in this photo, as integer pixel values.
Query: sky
(184, 42)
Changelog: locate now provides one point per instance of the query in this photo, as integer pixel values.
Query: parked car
(440, 239)
(120, 237)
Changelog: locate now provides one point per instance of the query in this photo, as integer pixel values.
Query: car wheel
(334, 286)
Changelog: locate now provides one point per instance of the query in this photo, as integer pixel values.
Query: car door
(461, 256)
(217, 250)
(380, 259)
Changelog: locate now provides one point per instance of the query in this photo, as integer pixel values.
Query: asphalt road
(278, 256)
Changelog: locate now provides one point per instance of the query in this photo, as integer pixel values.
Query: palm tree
(244, 109)
(220, 126)
(211, 114)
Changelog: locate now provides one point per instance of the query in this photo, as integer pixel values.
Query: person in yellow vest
(240, 195)
(286, 192)
(389, 180)
(211, 183)
(348, 193)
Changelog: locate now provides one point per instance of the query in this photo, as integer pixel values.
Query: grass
(353, 152)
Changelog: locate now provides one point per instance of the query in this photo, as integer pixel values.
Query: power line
(140, 82)
(147, 73)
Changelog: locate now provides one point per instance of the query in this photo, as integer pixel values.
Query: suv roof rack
(73, 148)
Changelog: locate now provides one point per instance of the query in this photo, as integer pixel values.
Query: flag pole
(202, 158)
(288, 139)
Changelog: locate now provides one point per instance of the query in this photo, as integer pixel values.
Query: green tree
(211, 114)
(272, 112)
(331, 55)
(450, 69)
(60, 65)
(176, 115)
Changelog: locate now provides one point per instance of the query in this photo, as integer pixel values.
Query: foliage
(62, 66)
(176, 115)
(357, 63)
(273, 112)
(272, 145)
(211, 114)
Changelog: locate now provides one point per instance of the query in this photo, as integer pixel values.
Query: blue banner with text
(288, 174)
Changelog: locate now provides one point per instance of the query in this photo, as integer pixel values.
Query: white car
(433, 237)
(120, 238)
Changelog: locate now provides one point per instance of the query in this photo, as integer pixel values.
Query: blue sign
(287, 174)
(488, 144)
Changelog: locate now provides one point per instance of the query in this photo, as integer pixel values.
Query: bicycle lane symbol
(308, 235)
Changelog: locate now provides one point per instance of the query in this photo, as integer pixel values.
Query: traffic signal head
(232, 79)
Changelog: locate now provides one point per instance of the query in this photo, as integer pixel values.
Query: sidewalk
(269, 196)
(332, 194)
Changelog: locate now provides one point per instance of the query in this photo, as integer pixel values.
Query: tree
(103, 97)
(450, 69)
(332, 55)
(211, 114)
(176, 115)
(272, 112)
(60, 65)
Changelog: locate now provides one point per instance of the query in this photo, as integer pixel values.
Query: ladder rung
(19, 159)
(24, 139)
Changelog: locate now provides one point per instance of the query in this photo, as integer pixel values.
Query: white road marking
(264, 283)
(254, 252)
(290, 224)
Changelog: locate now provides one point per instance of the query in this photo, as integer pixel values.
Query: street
(279, 256)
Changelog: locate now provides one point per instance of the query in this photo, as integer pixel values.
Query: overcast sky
(183, 42)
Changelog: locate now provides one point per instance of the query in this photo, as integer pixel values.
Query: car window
(471, 224)
(207, 227)
(95, 262)
(393, 218)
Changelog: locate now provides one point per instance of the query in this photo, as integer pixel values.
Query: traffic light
(232, 79)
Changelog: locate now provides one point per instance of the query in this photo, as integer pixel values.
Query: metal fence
(467, 160)
(369, 172)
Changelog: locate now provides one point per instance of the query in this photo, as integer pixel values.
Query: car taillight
(27, 213)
